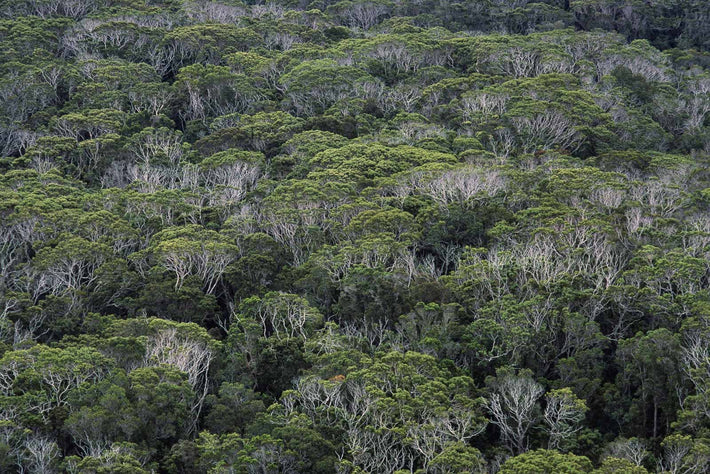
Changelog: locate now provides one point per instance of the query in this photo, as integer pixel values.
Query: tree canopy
(360, 236)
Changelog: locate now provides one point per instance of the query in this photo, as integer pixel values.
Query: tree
(185, 350)
(362, 15)
(101, 415)
(210, 91)
(563, 415)
(41, 379)
(546, 462)
(618, 465)
(192, 250)
(190, 350)
(683, 454)
(233, 409)
(313, 86)
(207, 43)
(161, 399)
(40, 453)
(228, 176)
(458, 458)
(231, 453)
(281, 315)
(513, 406)
(649, 362)
(632, 450)
(397, 409)
(90, 124)
(119, 457)
(157, 147)
(265, 131)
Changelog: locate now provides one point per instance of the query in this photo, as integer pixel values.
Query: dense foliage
(357, 236)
